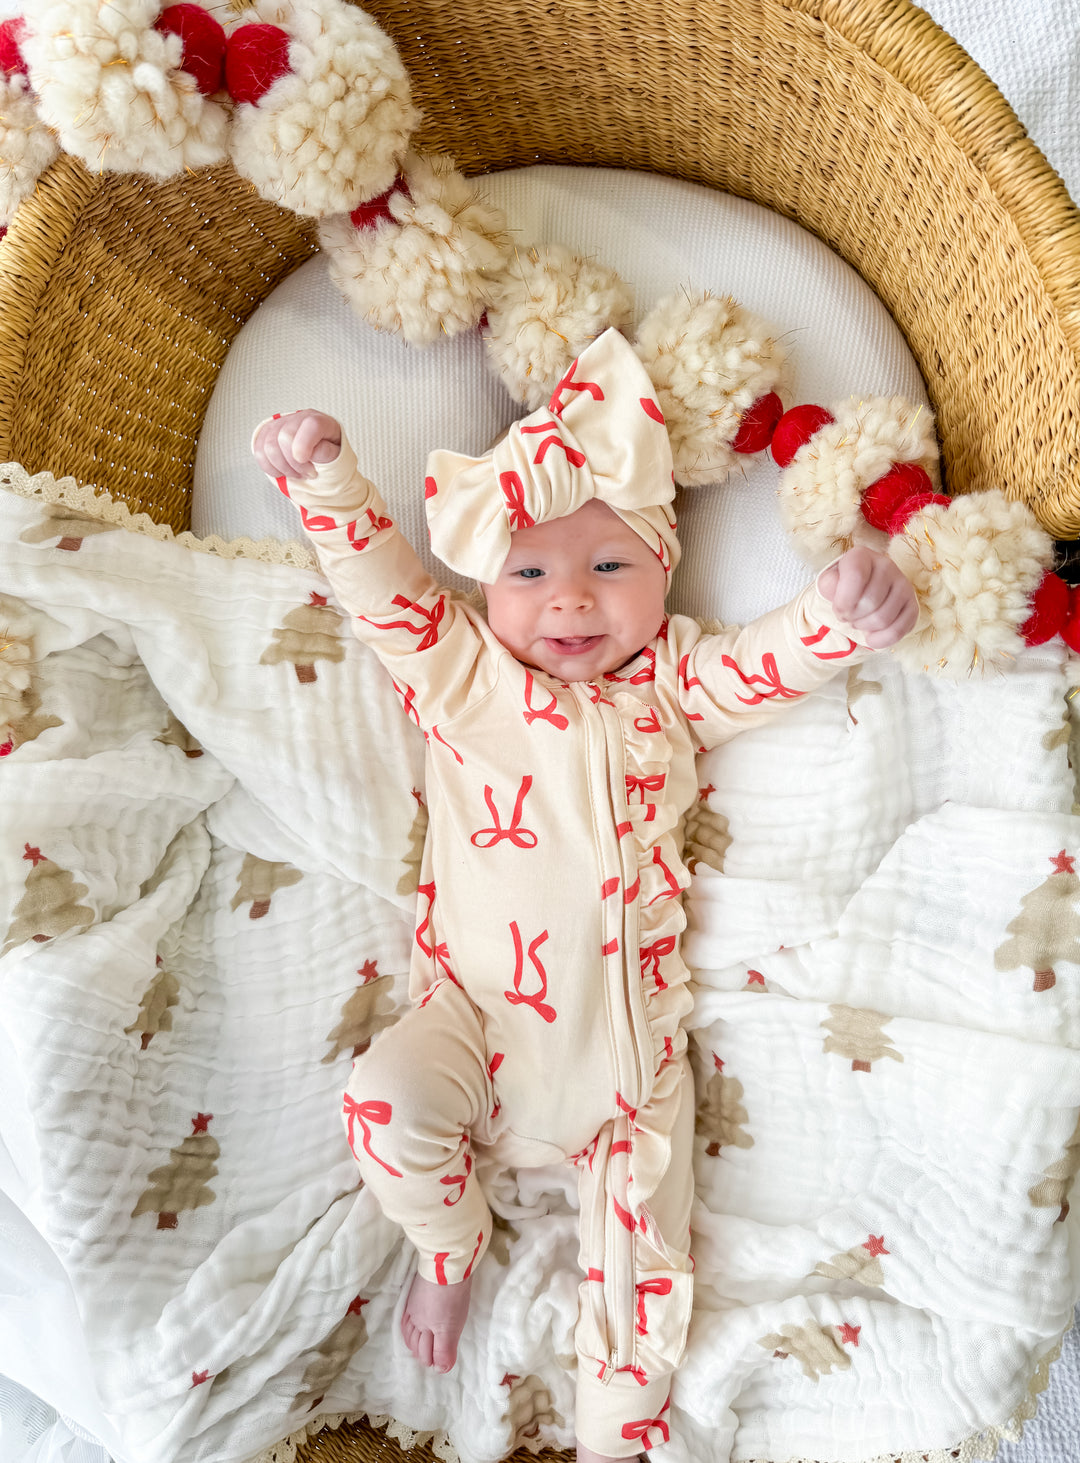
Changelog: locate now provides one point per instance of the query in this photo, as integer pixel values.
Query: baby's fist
(870, 594)
(291, 446)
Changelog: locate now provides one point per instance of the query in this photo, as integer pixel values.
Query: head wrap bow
(602, 435)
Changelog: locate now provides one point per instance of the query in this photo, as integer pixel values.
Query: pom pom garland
(711, 362)
(202, 43)
(545, 307)
(425, 271)
(112, 89)
(330, 130)
(26, 146)
(794, 430)
(758, 424)
(367, 215)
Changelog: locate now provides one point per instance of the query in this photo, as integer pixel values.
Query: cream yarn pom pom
(974, 566)
(109, 85)
(709, 360)
(548, 304)
(821, 490)
(26, 146)
(332, 132)
(426, 270)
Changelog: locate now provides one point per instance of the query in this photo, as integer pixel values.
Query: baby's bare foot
(586, 1455)
(433, 1321)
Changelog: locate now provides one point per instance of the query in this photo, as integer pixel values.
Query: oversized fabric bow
(602, 435)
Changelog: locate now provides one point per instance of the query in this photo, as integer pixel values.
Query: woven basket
(860, 119)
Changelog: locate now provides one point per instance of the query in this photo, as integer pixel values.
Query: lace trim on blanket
(99, 505)
(979, 1448)
(85, 499)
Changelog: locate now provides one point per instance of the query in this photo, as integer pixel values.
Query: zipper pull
(608, 1369)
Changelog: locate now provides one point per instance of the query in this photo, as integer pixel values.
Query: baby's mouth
(573, 644)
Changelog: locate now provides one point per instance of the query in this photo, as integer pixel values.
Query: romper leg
(413, 1100)
(636, 1298)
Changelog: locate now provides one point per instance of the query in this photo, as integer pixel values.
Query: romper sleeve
(741, 677)
(430, 640)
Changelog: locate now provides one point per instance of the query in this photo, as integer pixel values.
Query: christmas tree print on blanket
(49, 905)
(503, 1235)
(67, 525)
(721, 1114)
(258, 880)
(857, 1033)
(1046, 928)
(410, 879)
(309, 633)
(20, 703)
(330, 1358)
(1052, 1190)
(181, 1184)
(862, 1263)
(529, 1406)
(817, 1349)
(369, 1010)
(177, 735)
(155, 1008)
(707, 835)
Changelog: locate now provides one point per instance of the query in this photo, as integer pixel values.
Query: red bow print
(573, 456)
(364, 1113)
(644, 1288)
(770, 680)
(518, 997)
(438, 953)
(428, 631)
(687, 682)
(635, 1431)
(408, 697)
(460, 1180)
(520, 837)
(817, 638)
(444, 1255)
(313, 522)
(542, 713)
(673, 889)
(651, 955)
(374, 524)
(556, 404)
(513, 491)
(642, 785)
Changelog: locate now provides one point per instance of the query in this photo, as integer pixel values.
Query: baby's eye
(528, 573)
(608, 566)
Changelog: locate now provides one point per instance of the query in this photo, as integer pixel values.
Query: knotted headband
(602, 435)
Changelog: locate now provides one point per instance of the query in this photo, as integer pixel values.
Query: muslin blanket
(212, 813)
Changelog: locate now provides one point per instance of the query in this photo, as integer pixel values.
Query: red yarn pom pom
(256, 56)
(882, 498)
(203, 41)
(11, 57)
(366, 215)
(909, 506)
(1049, 607)
(758, 424)
(794, 430)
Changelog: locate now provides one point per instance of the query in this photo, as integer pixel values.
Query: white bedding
(873, 1274)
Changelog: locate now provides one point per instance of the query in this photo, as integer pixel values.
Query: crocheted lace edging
(981, 1446)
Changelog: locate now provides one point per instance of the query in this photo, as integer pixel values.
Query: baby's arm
(870, 593)
(425, 638)
(740, 677)
(291, 446)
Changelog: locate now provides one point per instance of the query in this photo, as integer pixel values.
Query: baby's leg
(412, 1101)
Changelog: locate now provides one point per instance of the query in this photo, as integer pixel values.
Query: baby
(549, 991)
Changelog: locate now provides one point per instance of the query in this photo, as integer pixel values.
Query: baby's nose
(571, 594)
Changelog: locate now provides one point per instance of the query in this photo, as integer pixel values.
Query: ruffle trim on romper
(663, 1282)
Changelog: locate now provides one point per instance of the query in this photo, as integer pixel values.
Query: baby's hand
(291, 446)
(870, 594)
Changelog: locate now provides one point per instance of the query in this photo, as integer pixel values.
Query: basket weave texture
(860, 119)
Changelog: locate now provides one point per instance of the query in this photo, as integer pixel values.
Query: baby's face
(578, 595)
